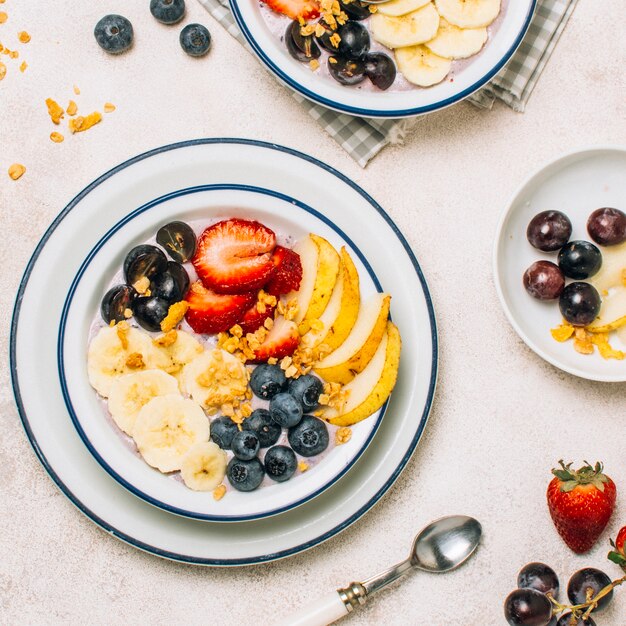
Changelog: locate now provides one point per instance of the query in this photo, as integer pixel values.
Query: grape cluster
(550, 231)
(535, 601)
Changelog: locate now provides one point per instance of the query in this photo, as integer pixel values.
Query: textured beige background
(502, 416)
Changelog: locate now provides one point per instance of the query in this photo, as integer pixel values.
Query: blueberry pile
(289, 400)
(530, 603)
(350, 61)
(161, 281)
(550, 231)
(114, 33)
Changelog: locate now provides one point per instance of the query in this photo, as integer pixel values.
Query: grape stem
(589, 605)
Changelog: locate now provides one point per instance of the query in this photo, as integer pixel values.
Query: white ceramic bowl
(576, 184)
(284, 215)
(384, 104)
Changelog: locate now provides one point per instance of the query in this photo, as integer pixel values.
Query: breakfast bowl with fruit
(560, 263)
(393, 58)
(59, 360)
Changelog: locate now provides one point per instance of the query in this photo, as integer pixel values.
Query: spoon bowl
(446, 543)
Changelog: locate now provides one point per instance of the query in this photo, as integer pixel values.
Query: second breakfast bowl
(265, 35)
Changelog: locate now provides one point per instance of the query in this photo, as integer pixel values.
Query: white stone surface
(502, 416)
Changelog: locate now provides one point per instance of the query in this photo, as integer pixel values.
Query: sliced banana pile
(428, 36)
(140, 377)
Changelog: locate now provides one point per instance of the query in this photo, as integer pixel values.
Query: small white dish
(517, 15)
(57, 260)
(576, 184)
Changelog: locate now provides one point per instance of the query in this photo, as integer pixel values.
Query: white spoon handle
(323, 611)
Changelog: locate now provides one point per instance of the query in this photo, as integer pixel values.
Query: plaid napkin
(363, 138)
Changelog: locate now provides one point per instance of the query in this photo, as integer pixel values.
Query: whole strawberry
(619, 554)
(581, 503)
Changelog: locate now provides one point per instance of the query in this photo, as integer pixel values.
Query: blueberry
(580, 260)
(144, 261)
(245, 445)
(167, 11)
(115, 302)
(346, 71)
(301, 48)
(266, 429)
(280, 463)
(309, 437)
(245, 475)
(114, 34)
(150, 312)
(267, 380)
(223, 429)
(178, 239)
(195, 40)
(356, 10)
(306, 390)
(285, 410)
(172, 284)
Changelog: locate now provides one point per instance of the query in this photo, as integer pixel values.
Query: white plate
(385, 104)
(576, 184)
(53, 267)
(204, 203)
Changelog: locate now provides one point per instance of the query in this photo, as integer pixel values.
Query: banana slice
(453, 42)
(116, 351)
(469, 13)
(215, 378)
(394, 8)
(407, 30)
(422, 67)
(177, 349)
(166, 429)
(129, 393)
(204, 466)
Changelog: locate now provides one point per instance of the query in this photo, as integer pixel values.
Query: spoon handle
(322, 611)
(378, 582)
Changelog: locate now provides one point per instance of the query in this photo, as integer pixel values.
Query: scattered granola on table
(16, 171)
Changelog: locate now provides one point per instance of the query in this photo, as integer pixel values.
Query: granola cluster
(585, 341)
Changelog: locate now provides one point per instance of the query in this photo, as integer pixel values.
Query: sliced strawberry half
(252, 319)
(211, 312)
(288, 273)
(235, 256)
(280, 342)
(295, 9)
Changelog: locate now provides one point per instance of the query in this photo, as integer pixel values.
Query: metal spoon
(440, 547)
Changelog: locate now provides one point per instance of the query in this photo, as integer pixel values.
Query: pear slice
(320, 266)
(353, 355)
(368, 391)
(342, 310)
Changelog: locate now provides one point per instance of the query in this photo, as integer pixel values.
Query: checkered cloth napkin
(363, 138)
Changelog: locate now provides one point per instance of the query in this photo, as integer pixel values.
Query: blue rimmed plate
(79, 229)
(465, 79)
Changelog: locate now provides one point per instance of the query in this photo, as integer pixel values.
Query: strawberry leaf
(568, 486)
(617, 558)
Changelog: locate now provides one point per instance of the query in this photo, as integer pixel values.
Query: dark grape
(116, 302)
(178, 239)
(380, 69)
(544, 280)
(355, 10)
(355, 40)
(302, 49)
(580, 260)
(144, 261)
(527, 607)
(549, 230)
(172, 284)
(324, 38)
(585, 579)
(580, 303)
(607, 227)
(565, 620)
(150, 312)
(346, 71)
(539, 576)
